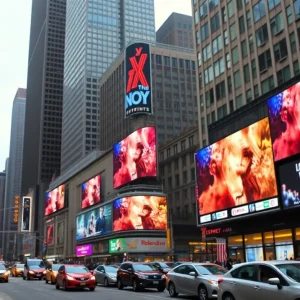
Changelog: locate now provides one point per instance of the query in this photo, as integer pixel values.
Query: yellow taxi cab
(51, 273)
(4, 274)
(17, 270)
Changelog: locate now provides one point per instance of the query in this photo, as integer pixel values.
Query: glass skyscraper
(96, 32)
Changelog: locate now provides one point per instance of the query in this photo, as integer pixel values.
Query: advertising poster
(285, 252)
(94, 222)
(135, 245)
(60, 233)
(235, 172)
(254, 254)
(135, 157)
(90, 192)
(138, 93)
(26, 214)
(284, 114)
(50, 234)
(84, 250)
(140, 213)
(289, 178)
(55, 200)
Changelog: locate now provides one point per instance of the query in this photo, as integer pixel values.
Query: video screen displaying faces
(91, 192)
(94, 222)
(289, 178)
(236, 171)
(135, 157)
(55, 200)
(140, 213)
(284, 114)
(50, 234)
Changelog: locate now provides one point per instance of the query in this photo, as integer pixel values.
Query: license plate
(82, 283)
(38, 275)
(155, 282)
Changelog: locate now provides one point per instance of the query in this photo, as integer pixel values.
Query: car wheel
(92, 289)
(24, 278)
(105, 282)
(202, 293)
(52, 282)
(161, 289)
(228, 297)
(46, 281)
(57, 286)
(6, 281)
(119, 284)
(172, 290)
(135, 286)
(28, 278)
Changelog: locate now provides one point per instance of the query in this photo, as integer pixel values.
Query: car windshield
(2, 267)
(290, 270)
(210, 270)
(39, 263)
(55, 267)
(20, 266)
(111, 269)
(162, 265)
(34, 267)
(77, 269)
(143, 267)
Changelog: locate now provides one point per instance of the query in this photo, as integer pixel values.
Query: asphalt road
(18, 289)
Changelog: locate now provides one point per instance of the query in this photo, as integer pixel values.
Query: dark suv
(140, 276)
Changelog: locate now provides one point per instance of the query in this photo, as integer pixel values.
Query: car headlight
(213, 282)
(112, 276)
(70, 277)
(31, 272)
(92, 278)
(6, 273)
(44, 272)
(143, 276)
(163, 276)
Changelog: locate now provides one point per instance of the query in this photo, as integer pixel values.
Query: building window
(229, 84)
(228, 60)
(226, 37)
(246, 73)
(215, 23)
(297, 8)
(202, 125)
(191, 141)
(241, 24)
(230, 7)
(193, 170)
(293, 42)
(253, 68)
(168, 152)
(176, 164)
(277, 24)
(289, 14)
(265, 61)
(217, 44)
(267, 85)
(196, 18)
(256, 91)
(237, 79)
(206, 53)
(296, 67)
(203, 10)
(259, 11)
(244, 48)
(224, 15)
(248, 18)
(209, 96)
(175, 149)
(161, 155)
(220, 90)
(219, 67)
(204, 32)
(232, 30)
(198, 37)
(182, 145)
(201, 103)
(222, 111)
(177, 181)
(231, 107)
(249, 96)
(239, 101)
(235, 55)
(212, 4)
(199, 59)
(273, 3)
(200, 80)
(239, 4)
(283, 75)
(251, 43)
(183, 161)
(208, 74)
(261, 35)
(280, 50)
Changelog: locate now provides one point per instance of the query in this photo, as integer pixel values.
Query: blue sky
(14, 32)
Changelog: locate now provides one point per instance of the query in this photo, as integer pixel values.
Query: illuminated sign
(138, 94)
(26, 214)
(16, 210)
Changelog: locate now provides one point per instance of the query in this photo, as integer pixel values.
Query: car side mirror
(275, 281)
(193, 274)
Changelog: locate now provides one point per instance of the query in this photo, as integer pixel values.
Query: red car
(75, 277)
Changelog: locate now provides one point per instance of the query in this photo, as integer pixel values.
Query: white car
(269, 280)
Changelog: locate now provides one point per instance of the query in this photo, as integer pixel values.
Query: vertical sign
(26, 214)
(138, 92)
(16, 209)
(169, 242)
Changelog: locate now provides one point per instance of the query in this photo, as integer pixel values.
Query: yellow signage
(169, 238)
(16, 210)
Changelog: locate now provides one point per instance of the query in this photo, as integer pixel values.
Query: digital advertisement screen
(90, 192)
(289, 178)
(254, 254)
(50, 234)
(138, 93)
(135, 157)
(26, 214)
(284, 114)
(84, 250)
(60, 236)
(235, 173)
(94, 222)
(285, 252)
(140, 213)
(55, 200)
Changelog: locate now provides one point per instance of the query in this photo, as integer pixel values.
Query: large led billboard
(55, 200)
(284, 114)
(235, 174)
(135, 157)
(90, 192)
(26, 214)
(289, 178)
(140, 213)
(97, 221)
(138, 93)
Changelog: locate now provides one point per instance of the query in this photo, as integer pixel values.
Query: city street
(18, 289)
